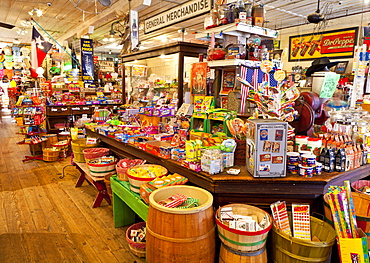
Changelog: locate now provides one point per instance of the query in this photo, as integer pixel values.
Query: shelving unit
(236, 29)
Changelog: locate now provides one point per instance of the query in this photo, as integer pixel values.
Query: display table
(243, 188)
(97, 182)
(126, 204)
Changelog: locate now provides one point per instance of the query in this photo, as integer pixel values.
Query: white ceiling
(63, 19)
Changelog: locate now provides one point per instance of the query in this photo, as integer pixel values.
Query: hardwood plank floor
(47, 219)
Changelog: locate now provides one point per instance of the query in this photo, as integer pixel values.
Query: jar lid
(314, 139)
(301, 137)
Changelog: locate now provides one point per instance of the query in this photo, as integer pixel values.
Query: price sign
(329, 85)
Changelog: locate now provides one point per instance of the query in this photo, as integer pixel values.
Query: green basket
(78, 146)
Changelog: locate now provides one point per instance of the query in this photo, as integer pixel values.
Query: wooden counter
(244, 188)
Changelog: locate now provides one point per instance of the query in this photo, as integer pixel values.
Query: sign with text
(333, 44)
(329, 85)
(87, 59)
(177, 14)
(106, 65)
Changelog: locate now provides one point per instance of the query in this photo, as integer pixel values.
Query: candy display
(124, 164)
(141, 174)
(343, 212)
(179, 201)
(102, 166)
(280, 216)
(301, 221)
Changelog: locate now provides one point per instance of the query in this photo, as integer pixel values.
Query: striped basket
(101, 170)
(245, 241)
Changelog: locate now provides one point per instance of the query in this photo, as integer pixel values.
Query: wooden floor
(46, 219)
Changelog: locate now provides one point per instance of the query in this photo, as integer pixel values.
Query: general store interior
(197, 141)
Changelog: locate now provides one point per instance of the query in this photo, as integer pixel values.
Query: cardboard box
(354, 249)
(160, 148)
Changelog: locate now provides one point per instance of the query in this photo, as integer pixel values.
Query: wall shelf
(236, 29)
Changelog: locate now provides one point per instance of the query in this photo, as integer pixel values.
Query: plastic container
(301, 143)
(314, 145)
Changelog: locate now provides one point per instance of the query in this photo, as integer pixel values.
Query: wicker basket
(50, 154)
(136, 182)
(358, 186)
(102, 170)
(78, 146)
(245, 241)
(136, 248)
(93, 153)
(287, 249)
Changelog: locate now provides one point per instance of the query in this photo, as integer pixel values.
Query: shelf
(233, 62)
(236, 29)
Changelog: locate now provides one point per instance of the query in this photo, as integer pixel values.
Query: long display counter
(244, 188)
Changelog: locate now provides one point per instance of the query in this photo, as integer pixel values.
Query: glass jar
(248, 12)
(224, 15)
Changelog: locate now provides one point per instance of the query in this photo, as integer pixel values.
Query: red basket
(358, 185)
(137, 248)
(93, 153)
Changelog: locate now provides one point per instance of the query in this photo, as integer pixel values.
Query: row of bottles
(240, 11)
(344, 159)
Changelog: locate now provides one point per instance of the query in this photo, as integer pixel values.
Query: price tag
(329, 85)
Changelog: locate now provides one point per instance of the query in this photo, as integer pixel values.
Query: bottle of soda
(306, 45)
(297, 48)
(314, 46)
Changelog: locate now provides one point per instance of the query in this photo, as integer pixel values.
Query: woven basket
(358, 185)
(136, 182)
(287, 249)
(101, 170)
(93, 153)
(121, 173)
(244, 240)
(78, 146)
(50, 154)
(136, 248)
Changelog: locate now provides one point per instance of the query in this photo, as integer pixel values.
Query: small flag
(39, 49)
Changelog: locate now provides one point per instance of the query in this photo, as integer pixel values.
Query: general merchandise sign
(178, 14)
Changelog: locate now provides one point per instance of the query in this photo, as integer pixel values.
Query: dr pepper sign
(334, 44)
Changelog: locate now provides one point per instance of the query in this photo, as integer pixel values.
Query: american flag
(244, 75)
(273, 82)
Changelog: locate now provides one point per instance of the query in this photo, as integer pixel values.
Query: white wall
(339, 23)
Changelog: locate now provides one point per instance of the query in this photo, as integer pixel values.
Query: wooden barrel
(244, 240)
(180, 235)
(228, 255)
(362, 208)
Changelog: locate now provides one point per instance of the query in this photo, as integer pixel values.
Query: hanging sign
(134, 25)
(333, 44)
(87, 59)
(177, 14)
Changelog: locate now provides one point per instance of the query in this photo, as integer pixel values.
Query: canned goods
(318, 168)
(308, 160)
(293, 169)
(305, 171)
(293, 158)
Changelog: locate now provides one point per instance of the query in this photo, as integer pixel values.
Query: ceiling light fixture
(36, 11)
(110, 52)
(16, 41)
